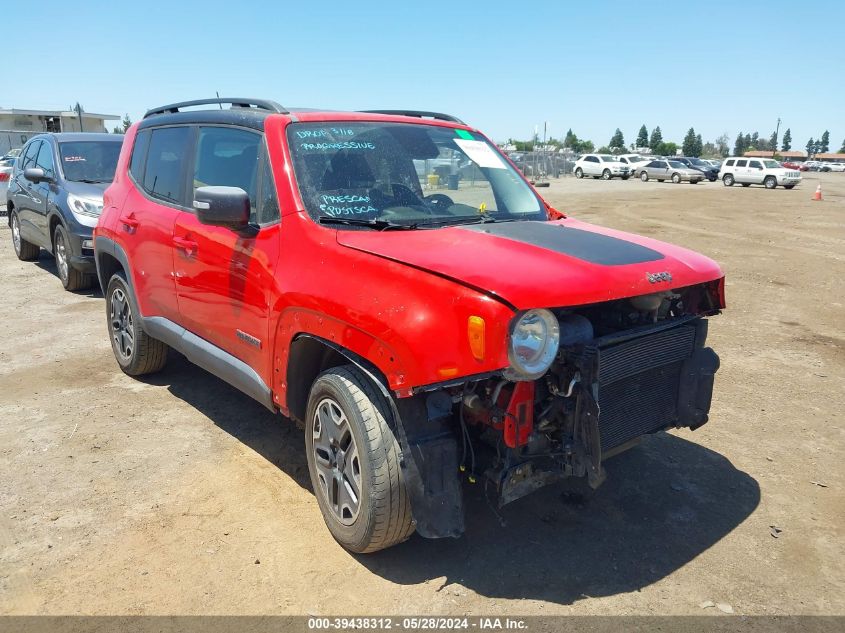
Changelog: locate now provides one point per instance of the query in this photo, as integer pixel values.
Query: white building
(17, 125)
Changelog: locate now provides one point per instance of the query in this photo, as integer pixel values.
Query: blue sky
(717, 65)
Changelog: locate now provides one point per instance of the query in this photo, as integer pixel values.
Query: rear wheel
(579, 173)
(728, 180)
(353, 460)
(770, 182)
(788, 186)
(676, 178)
(605, 175)
(136, 352)
(71, 278)
(25, 251)
(644, 177)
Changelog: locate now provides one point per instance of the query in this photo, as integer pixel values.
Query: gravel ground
(177, 494)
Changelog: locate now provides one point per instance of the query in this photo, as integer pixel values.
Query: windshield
(772, 164)
(608, 159)
(698, 161)
(407, 174)
(89, 161)
(677, 165)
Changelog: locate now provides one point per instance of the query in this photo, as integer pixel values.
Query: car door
(593, 167)
(158, 169)
(224, 279)
(43, 191)
(755, 172)
(27, 202)
(741, 170)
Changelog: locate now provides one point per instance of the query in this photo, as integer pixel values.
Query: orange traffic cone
(818, 194)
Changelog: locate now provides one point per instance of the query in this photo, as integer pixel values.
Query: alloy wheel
(61, 257)
(16, 234)
(120, 313)
(336, 460)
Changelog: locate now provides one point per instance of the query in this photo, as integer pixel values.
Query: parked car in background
(838, 167)
(663, 169)
(633, 161)
(55, 197)
(758, 171)
(604, 166)
(7, 163)
(791, 165)
(710, 172)
(812, 165)
(298, 256)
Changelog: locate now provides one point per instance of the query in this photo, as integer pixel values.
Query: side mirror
(222, 206)
(35, 174)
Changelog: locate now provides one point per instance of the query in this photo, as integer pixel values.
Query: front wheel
(25, 251)
(71, 278)
(676, 178)
(644, 177)
(770, 182)
(353, 460)
(136, 352)
(728, 180)
(579, 173)
(605, 175)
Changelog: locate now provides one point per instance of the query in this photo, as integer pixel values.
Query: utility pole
(78, 109)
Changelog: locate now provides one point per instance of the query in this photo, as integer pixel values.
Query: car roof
(62, 137)
(253, 113)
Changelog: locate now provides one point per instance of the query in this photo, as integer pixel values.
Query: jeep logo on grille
(658, 277)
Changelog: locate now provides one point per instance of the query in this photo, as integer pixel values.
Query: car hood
(92, 190)
(541, 264)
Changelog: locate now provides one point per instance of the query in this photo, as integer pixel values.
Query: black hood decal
(585, 245)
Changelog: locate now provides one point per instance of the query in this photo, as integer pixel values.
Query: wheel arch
(309, 356)
(110, 258)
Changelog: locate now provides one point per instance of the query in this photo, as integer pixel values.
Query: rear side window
(45, 160)
(269, 212)
(139, 155)
(164, 175)
(228, 157)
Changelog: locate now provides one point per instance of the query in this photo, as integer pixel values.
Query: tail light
(4, 177)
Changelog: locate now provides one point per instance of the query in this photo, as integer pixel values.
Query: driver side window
(228, 157)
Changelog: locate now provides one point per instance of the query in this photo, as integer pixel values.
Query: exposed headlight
(534, 341)
(92, 207)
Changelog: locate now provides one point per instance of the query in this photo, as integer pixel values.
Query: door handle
(129, 222)
(189, 246)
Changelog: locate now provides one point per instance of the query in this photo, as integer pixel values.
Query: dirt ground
(179, 495)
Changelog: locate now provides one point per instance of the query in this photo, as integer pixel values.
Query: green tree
(747, 142)
(570, 140)
(699, 146)
(586, 147)
(642, 137)
(842, 149)
(739, 145)
(604, 149)
(787, 140)
(656, 138)
(755, 141)
(811, 147)
(773, 141)
(666, 149)
(617, 140)
(723, 145)
(126, 122)
(824, 144)
(688, 145)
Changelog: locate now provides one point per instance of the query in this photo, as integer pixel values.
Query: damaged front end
(622, 369)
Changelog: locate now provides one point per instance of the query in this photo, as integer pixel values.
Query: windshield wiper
(90, 181)
(379, 225)
(480, 219)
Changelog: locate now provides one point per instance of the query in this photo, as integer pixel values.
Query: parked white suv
(634, 161)
(758, 171)
(602, 166)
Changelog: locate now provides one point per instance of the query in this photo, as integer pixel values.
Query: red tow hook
(519, 416)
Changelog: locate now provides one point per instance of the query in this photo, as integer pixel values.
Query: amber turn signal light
(475, 332)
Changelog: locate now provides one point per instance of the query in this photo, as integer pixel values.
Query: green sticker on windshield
(465, 135)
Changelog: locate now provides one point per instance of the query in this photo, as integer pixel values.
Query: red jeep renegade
(391, 282)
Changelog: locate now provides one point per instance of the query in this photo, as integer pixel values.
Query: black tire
(788, 186)
(746, 184)
(661, 180)
(605, 175)
(712, 178)
(25, 251)
(644, 176)
(136, 352)
(770, 182)
(382, 517)
(71, 278)
(676, 178)
(728, 180)
(579, 173)
(625, 177)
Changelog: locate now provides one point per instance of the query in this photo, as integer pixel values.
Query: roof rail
(237, 102)
(418, 113)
